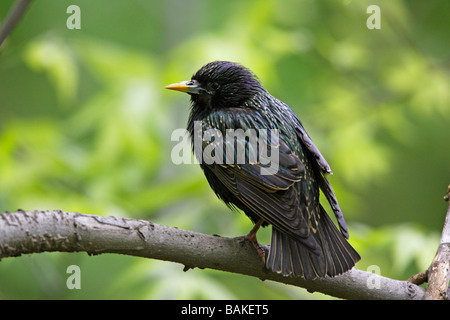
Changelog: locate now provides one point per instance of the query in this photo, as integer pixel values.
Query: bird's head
(220, 84)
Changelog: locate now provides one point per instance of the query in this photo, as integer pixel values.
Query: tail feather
(333, 256)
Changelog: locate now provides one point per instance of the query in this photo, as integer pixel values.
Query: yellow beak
(190, 86)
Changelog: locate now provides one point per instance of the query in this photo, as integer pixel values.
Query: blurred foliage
(85, 125)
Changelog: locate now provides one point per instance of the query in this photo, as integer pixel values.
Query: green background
(85, 125)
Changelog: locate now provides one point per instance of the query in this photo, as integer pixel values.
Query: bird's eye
(215, 86)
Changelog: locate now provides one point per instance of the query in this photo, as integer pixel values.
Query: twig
(419, 278)
(14, 16)
(25, 232)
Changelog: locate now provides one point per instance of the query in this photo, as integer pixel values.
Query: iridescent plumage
(305, 242)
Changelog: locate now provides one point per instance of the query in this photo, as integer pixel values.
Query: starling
(227, 97)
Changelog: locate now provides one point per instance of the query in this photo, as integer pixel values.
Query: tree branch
(25, 232)
(14, 16)
(439, 271)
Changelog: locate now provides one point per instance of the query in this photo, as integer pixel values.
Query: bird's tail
(333, 256)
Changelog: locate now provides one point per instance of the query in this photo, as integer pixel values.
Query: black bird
(305, 242)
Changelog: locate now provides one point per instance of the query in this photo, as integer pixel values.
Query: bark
(25, 232)
(439, 271)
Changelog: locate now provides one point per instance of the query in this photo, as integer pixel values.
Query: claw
(251, 236)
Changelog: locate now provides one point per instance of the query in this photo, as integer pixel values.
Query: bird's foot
(251, 236)
(259, 248)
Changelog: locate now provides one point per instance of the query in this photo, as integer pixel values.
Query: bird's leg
(251, 236)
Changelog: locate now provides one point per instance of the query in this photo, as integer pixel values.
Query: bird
(305, 242)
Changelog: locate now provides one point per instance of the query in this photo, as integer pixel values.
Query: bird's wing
(324, 184)
(274, 203)
(269, 194)
(307, 142)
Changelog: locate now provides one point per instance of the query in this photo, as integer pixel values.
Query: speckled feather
(305, 242)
